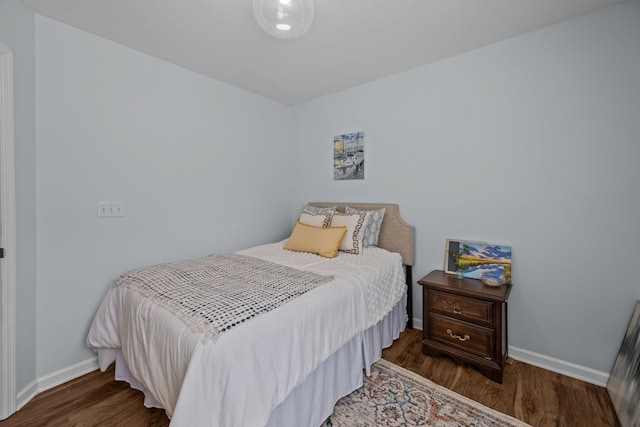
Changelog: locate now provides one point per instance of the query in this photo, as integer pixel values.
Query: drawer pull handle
(457, 309)
(452, 335)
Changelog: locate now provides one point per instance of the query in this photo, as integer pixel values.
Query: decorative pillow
(320, 220)
(374, 222)
(352, 242)
(317, 211)
(316, 240)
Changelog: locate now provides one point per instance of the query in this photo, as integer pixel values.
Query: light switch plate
(110, 209)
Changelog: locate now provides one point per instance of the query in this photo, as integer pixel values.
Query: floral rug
(393, 396)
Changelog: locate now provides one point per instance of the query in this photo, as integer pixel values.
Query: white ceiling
(351, 42)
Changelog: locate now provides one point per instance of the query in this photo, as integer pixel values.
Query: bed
(286, 366)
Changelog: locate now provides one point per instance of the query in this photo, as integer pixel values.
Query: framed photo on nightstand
(478, 260)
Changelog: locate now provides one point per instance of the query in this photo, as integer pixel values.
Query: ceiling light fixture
(284, 19)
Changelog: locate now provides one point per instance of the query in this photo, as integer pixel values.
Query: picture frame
(478, 260)
(623, 385)
(348, 156)
(453, 246)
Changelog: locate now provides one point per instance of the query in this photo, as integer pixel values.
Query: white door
(7, 239)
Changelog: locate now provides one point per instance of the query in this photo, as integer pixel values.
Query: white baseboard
(69, 373)
(26, 394)
(417, 323)
(560, 366)
(54, 379)
(550, 363)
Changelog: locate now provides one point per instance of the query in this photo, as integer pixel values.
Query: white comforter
(248, 371)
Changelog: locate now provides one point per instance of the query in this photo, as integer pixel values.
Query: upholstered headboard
(395, 234)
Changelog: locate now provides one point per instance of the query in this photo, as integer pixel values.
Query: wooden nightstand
(466, 320)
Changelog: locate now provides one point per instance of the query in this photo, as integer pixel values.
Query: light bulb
(284, 19)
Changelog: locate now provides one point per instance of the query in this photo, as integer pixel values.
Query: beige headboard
(395, 234)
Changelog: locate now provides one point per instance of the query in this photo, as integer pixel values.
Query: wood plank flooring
(534, 395)
(531, 394)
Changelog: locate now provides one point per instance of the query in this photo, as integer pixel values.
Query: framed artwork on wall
(624, 382)
(348, 156)
(478, 260)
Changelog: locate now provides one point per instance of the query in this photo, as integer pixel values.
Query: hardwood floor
(534, 395)
(531, 394)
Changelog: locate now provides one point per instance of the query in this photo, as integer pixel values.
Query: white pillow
(352, 242)
(374, 222)
(320, 220)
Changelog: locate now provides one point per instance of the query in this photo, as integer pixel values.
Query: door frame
(7, 238)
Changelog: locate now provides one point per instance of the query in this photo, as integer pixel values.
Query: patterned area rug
(393, 396)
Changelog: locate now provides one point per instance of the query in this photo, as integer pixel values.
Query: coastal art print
(478, 260)
(624, 382)
(348, 156)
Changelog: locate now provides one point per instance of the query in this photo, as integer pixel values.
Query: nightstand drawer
(472, 310)
(465, 336)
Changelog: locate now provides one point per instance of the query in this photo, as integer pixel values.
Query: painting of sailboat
(348, 156)
(478, 260)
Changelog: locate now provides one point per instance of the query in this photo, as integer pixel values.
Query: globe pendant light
(284, 19)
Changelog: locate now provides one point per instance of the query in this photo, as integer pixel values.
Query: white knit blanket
(216, 293)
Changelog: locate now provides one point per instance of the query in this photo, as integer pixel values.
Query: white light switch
(110, 209)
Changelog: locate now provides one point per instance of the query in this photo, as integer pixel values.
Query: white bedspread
(248, 371)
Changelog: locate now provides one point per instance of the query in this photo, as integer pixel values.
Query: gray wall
(533, 143)
(17, 33)
(188, 156)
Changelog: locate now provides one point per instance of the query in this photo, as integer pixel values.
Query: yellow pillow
(323, 241)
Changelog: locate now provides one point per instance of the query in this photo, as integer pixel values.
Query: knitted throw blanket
(213, 294)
